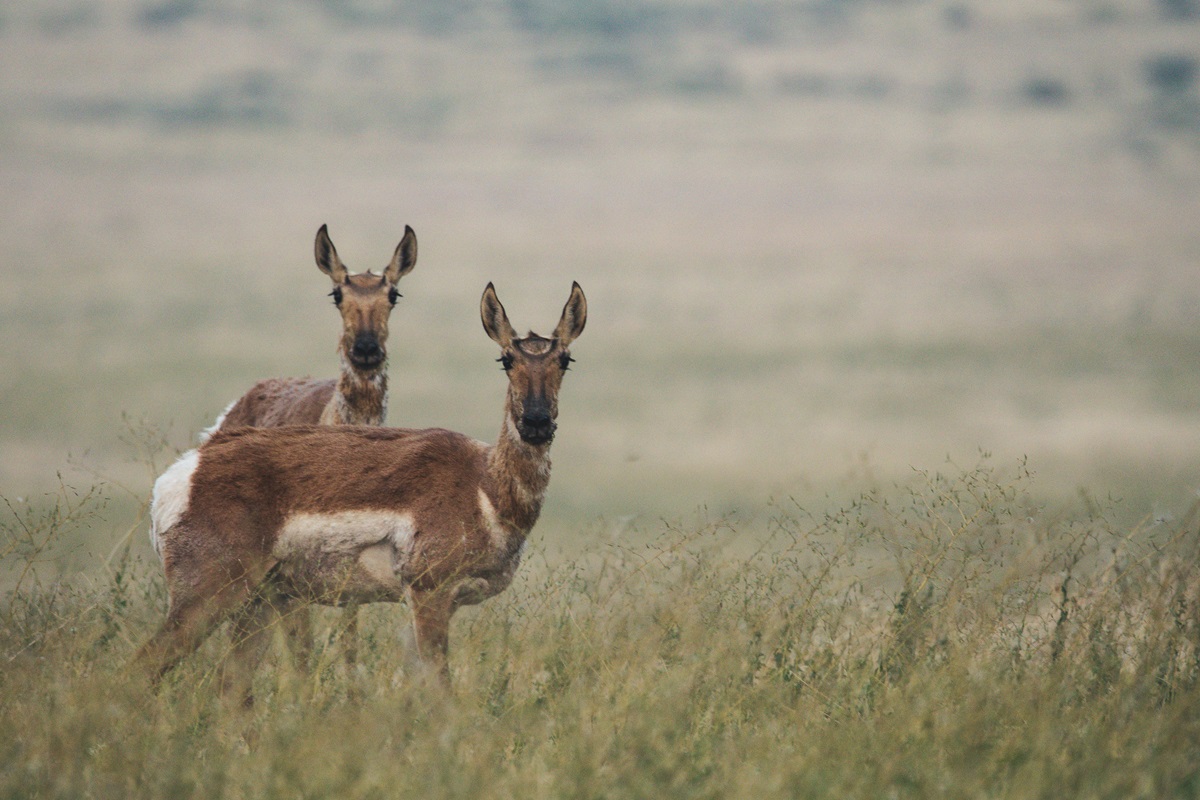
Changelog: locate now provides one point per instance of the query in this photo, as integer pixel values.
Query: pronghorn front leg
(297, 629)
(432, 610)
(350, 650)
(350, 634)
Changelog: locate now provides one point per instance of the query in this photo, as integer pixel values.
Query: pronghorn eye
(336, 294)
(506, 361)
(564, 361)
(393, 295)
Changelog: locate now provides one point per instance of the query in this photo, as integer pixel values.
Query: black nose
(536, 419)
(536, 426)
(366, 349)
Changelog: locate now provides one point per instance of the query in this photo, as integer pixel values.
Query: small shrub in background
(1045, 91)
(1180, 9)
(1172, 73)
(1174, 106)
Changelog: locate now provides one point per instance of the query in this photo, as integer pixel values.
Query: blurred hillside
(822, 241)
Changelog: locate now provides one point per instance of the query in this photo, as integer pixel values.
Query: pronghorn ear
(327, 257)
(405, 257)
(574, 317)
(495, 320)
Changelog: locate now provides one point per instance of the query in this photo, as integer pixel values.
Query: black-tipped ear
(327, 257)
(405, 257)
(574, 317)
(495, 319)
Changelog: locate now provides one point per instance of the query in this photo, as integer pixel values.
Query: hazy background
(822, 242)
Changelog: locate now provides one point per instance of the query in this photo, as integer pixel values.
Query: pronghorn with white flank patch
(359, 395)
(257, 519)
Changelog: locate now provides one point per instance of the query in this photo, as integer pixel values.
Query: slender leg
(183, 631)
(190, 620)
(251, 636)
(202, 593)
(297, 628)
(350, 637)
(431, 623)
(349, 643)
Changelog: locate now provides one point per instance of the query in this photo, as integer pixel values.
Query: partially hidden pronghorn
(257, 519)
(359, 395)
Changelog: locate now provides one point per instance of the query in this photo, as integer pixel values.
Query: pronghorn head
(365, 299)
(535, 364)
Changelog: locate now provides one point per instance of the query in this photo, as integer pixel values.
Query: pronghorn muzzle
(367, 352)
(536, 425)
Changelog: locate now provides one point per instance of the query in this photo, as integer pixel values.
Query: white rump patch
(207, 433)
(345, 533)
(169, 501)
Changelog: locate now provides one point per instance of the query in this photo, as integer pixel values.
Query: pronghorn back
(274, 402)
(335, 468)
(316, 496)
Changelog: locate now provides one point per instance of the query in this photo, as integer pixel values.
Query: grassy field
(947, 640)
(836, 254)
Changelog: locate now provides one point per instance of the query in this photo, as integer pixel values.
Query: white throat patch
(496, 532)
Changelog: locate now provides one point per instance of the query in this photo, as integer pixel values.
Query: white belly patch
(347, 552)
(344, 532)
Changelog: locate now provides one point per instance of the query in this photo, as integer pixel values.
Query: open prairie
(829, 248)
(813, 236)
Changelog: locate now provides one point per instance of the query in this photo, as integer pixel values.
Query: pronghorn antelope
(359, 395)
(258, 519)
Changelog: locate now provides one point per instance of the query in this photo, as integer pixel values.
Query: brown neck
(360, 397)
(518, 474)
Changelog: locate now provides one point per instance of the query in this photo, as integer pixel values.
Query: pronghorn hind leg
(251, 637)
(183, 631)
(189, 621)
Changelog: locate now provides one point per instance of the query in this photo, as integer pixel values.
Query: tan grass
(911, 643)
(858, 250)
